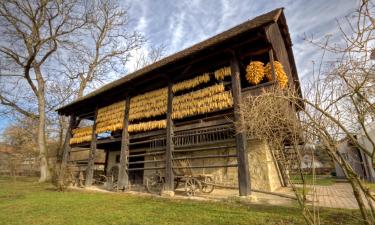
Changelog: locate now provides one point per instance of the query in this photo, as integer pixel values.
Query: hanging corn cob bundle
(80, 135)
(110, 118)
(146, 126)
(191, 83)
(204, 92)
(255, 72)
(206, 100)
(281, 76)
(220, 74)
(153, 103)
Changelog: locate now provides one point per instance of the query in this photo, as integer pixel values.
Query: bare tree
(149, 56)
(339, 101)
(273, 118)
(32, 32)
(103, 48)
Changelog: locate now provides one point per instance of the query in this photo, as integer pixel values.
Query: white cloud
(180, 24)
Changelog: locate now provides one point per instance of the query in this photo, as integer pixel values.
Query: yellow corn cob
(146, 126)
(191, 83)
(81, 135)
(255, 72)
(220, 74)
(281, 76)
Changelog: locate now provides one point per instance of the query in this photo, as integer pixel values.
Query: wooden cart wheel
(192, 186)
(113, 176)
(154, 184)
(207, 186)
(176, 183)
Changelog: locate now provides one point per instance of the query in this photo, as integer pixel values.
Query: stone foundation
(262, 168)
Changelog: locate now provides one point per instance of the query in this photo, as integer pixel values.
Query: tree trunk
(82, 87)
(44, 168)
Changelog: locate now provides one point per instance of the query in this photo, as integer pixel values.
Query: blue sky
(178, 24)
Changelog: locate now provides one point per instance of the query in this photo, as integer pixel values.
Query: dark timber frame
(265, 38)
(169, 183)
(241, 140)
(123, 179)
(92, 154)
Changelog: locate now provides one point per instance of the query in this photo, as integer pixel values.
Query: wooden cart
(193, 183)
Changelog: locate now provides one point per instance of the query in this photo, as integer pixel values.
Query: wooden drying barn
(177, 116)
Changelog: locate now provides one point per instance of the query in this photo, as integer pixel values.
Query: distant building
(314, 157)
(309, 162)
(16, 164)
(359, 161)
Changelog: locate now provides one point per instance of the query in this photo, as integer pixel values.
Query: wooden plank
(148, 134)
(240, 136)
(280, 52)
(148, 154)
(106, 162)
(66, 151)
(146, 168)
(123, 178)
(169, 180)
(258, 89)
(202, 124)
(146, 161)
(270, 55)
(224, 142)
(91, 162)
(205, 157)
(205, 167)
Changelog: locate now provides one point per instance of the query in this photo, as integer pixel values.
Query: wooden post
(169, 179)
(91, 162)
(106, 161)
(66, 151)
(270, 55)
(241, 140)
(123, 178)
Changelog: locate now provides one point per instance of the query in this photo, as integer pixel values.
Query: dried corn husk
(206, 100)
(220, 74)
(146, 126)
(150, 104)
(154, 103)
(255, 72)
(80, 135)
(110, 118)
(191, 83)
(281, 76)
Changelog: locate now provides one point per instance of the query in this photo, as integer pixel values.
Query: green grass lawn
(26, 202)
(320, 180)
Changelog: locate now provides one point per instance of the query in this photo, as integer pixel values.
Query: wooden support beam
(106, 161)
(169, 179)
(123, 178)
(280, 53)
(92, 154)
(205, 167)
(241, 140)
(66, 150)
(205, 157)
(270, 55)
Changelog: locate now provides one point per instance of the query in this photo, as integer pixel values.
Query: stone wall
(112, 159)
(263, 172)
